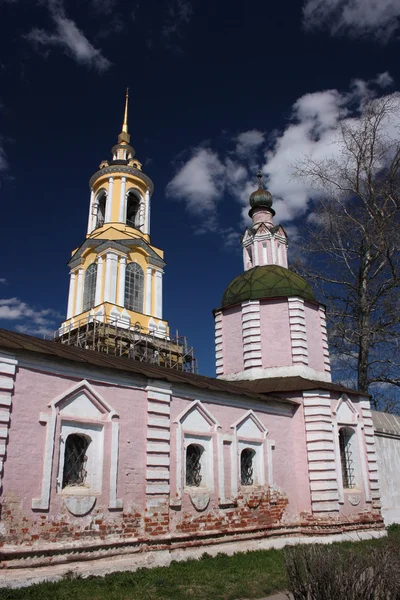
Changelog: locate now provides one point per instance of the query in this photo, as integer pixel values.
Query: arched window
(347, 457)
(246, 467)
(134, 286)
(193, 465)
(75, 459)
(133, 211)
(101, 210)
(89, 293)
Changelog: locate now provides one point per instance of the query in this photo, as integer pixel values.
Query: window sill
(79, 490)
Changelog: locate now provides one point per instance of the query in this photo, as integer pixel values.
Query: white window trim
(50, 419)
(95, 458)
(357, 427)
(182, 437)
(206, 461)
(260, 444)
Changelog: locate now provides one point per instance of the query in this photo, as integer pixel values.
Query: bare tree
(352, 247)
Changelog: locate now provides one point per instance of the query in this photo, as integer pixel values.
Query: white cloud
(200, 183)
(68, 37)
(248, 142)
(29, 319)
(3, 281)
(103, 7)
(376, 19)
(179, 14)
(312, 131)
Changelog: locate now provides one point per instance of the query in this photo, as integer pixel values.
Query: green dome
(261, 197)
(268, 281)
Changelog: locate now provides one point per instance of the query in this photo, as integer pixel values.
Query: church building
(115, 454)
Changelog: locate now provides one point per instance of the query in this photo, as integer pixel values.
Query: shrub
(320, 572)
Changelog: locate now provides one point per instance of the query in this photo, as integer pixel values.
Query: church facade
(108, 462)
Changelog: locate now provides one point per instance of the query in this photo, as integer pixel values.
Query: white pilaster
(158, 441)
(158, 294)
(219, 352)
(121, 283)
(79, 292)
(99, 280)
(325, 345)
(71, 294)
(322, 461)
(110, 288)
(251, 334)
(298, 330)
(122, 201)
(8, 369)
(256, 256)
(91, 224)
(149, 290)
(107, 218)
(147, 214)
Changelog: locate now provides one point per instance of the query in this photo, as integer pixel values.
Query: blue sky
(218, 90)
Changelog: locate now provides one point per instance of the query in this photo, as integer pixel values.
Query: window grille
(134, 286)
(89, 293)
(246, 467)
(75, 460)
(193, 465)
(346, 458)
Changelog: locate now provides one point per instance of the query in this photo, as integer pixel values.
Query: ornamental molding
(100, 246)
(122, 169)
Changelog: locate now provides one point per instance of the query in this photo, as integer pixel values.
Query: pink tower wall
(275, 333)
(232, 339)
(314, 337)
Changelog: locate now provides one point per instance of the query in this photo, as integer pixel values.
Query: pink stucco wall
(232, 339)
(314, 337)
(286, 430)
(34, 390)
(276, 344)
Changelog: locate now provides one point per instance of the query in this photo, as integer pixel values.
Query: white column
(256, 258)
(99, 280)
(110, 288)
(107, 217)
(158, 294)
(149, 290)
(79, 292)
(90, 220)
(121, 284)
(71, 295)
(122, 201)
(147, 214)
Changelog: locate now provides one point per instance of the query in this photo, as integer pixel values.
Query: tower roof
(267, 281)
(261, 197)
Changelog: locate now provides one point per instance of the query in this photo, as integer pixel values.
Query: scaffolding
(145, 345)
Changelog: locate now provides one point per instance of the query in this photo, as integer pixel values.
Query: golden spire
(124, 135)
(125, 123)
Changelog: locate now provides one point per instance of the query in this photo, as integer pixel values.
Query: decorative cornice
(122, 169)
(100, 245)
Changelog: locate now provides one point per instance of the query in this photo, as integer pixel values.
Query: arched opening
(193, 465)
(247, 467)
(347, 457)
(89, 292)
(133, 211)
(101, 208)
(134, 287)
(75, 459)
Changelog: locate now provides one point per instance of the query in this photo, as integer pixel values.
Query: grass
(244, 575)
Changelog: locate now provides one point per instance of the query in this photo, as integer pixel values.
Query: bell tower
(116, 274)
